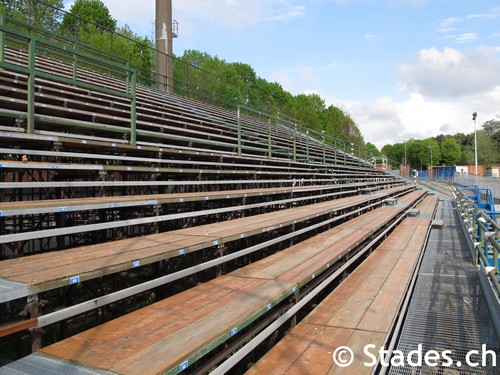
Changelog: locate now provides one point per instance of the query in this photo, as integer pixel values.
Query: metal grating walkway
(43, 364)
(447, 309)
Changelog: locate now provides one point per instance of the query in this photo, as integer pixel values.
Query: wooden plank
(163, 342)
(346, 305)
(9, 329)
(163, 198)
(20, 269)
(357, 342)
(385, 305)
(307, 349)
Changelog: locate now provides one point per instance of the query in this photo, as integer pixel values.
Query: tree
(491, 127)
(88, 16)
(487, 152)
(450, 151)
(372, 149)
(35, 13)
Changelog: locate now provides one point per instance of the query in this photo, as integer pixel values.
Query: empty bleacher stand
(142, 232)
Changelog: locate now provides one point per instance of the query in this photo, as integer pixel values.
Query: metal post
(31, 87)
(324, 147)
(406, 169)
(2, 39)
(239, 129)
(294, 142)
(474, 115)
(335, 149)
(432, 163)
(133, 110)
(75, 63)
(269, 139)
(307, 145)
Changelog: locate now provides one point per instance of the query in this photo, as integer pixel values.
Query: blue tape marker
(112, 205)
(269, 307)
(234, 331)
(63, 209)
(74, 280)
(136, 264)
(182, 252)
(183, 366)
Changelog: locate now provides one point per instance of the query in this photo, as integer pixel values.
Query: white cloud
(236, 15)
(385, 120)
(371, 37)
(295, 80)
(447, 25)
(462, 38)
(492, 14)
(452, 73)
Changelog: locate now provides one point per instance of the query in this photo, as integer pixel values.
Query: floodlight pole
(432, 162)
(405, 169)
(474, 115)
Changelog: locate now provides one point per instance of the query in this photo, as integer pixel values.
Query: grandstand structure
(143, 232)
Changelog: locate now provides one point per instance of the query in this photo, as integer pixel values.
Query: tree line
(196, 74)
(457, 149)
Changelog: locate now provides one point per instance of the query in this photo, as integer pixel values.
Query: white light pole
(431, 147)
(405, 159)
(474, 115)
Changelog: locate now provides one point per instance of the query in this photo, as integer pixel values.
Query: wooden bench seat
(360, 311)
(73, 204)
(172, 334)
(49, 270)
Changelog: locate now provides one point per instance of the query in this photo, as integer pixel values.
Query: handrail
(35, 45)
(298, 134)
(59, 39)
(484, 232)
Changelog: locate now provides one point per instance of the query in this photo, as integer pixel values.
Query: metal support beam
(31, 87)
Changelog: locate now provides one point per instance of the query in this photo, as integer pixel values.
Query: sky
(401, 69)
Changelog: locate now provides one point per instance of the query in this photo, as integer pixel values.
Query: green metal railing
(484, 233)
(301, 143)
(12, 36)
(286, 137)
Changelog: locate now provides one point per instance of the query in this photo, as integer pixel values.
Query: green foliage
(487, 150)
(491, 127)
(238, 83)
(197, 75)
(450, 151)
(35, 13)
(457, 149)
(372, 149)
(88, 17)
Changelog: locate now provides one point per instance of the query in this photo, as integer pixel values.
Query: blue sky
(401, 68)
